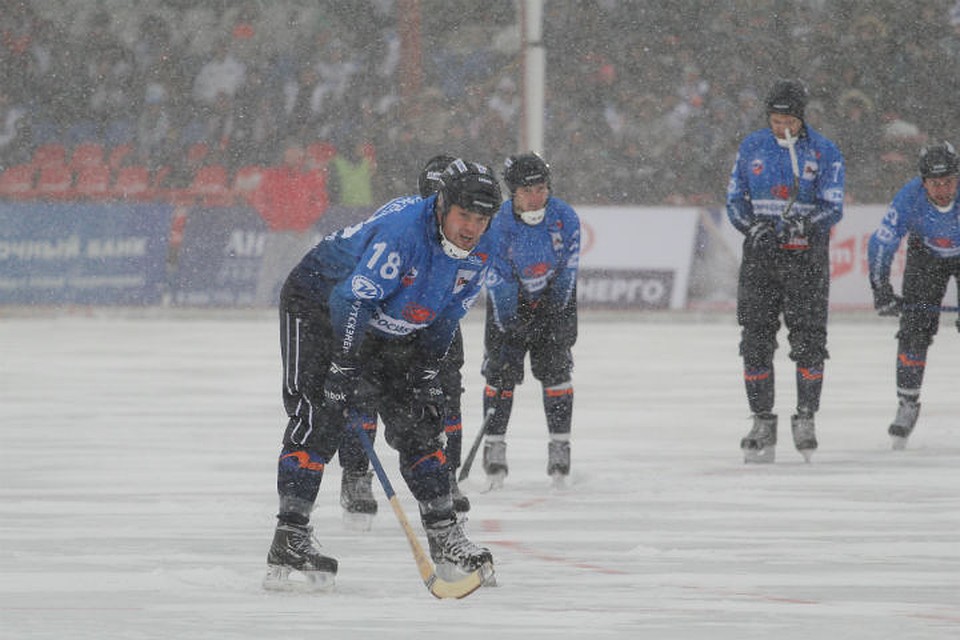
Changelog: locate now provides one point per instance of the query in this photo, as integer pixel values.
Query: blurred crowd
(645, 102)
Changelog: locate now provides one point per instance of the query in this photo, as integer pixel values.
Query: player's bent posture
(925, 211)
(356, 494)
(785, 194)
(531, 307)
(366, 319)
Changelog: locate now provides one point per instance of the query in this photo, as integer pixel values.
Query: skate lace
(302, 540)
(455, 543)
(760, 431)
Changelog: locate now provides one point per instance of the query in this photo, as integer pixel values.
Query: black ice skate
(461, 503)
(295, 564)
(495, 460)
(907, 413)
(804, 434)
(558, 461)
(356, 498)
(759, 446)
(452, 551)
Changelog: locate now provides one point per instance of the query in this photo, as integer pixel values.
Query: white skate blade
(494, 482)
(280, 578)
(558, 481)
(807, 454)
(899, 443)
(759, 456)
(450, 572)
(358, 522)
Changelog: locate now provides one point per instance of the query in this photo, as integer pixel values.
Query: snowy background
(137, 493)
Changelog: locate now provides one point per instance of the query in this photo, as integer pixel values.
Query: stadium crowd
(645, 101)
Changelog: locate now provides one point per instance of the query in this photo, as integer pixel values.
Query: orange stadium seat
(247, 180)
(211, 186)
(93, 182)
(117, 155)
(55, 182)
(133, 183)
(86, 154)
(50, 153)
(17, 182)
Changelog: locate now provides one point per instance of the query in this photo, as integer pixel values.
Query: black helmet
(938, 160)
(470, 185)
(524, 170)
(788, 97)
(430, 181)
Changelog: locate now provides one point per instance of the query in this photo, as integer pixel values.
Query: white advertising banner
(636, 257)
(850, 275)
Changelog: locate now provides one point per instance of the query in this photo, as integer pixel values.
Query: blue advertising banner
(219, 260)
(53, 254)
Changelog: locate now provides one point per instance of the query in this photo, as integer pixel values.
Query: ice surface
(137, 494)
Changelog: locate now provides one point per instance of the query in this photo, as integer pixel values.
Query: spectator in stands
(291, 199)
(223, 73)
(156, 134)
(14, 132)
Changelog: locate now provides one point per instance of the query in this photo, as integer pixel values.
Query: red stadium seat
(55, 182)
(117, 155)
(247, 180)
(211, 186)
(16, 182)
(87, 154)
(50, 153)
(133, 183)
(93, 182)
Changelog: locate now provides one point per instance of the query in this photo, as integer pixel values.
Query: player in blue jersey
(366, 319)
(356, 495)
(785, 194)
(927, 213)
(531, 307)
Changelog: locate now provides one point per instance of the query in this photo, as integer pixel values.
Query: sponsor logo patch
(365, 289)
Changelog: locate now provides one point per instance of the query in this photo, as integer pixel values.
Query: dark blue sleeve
(565, 281)
(885, 241)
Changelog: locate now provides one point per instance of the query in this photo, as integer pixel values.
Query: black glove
(793, 229)
(762, 238)
(885, 301)
(426, 399)
(340, 387)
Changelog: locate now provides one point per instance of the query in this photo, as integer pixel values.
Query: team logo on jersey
(493, 278)
(463, 279)
(409, 277)
(537, 270)
(756, 167)
(557, 240)
(780, 191)
(365, 289)
(942, 243)
(810, 168)
(418, 314)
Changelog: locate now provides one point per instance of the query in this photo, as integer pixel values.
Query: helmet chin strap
(533, 217)
(944, 209)
(451, 249)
